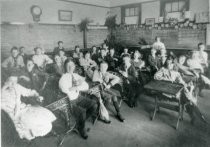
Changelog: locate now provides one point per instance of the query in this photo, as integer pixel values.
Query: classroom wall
(47, 36)
(116, 11)
(174, 39)
(19, 11)
(151, 9)
(18, 28)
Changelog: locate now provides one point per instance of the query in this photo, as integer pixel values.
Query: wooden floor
(137, 131)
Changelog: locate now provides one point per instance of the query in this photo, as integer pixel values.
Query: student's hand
(40, 99)
(125, 74)
(108, 86)
(35, 93)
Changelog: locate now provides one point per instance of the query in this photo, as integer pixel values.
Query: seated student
(29, 121)
(94, 54)
(112, 60)
(21, 53)
(71, 84)
(131, 83)
(40, 59)
(15, 61)
(162, 61)
(202, 55)
(125, 51)
(137, 60)
(105, 47)
(76, 53)
(58, 48)
(153, 62)
(158, 45)
(62, 56)
(102, 56)
(181, 67)
(168, 73)
(108, 80)
(88, 64)
(58, 66)
(194, 63)
(32, 77)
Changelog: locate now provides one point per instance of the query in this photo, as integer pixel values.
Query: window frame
(164, 2)
(129, 10)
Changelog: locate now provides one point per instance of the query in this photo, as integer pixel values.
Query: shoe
(83, 134)
(94, 119)
(192, 121)
(105, 121)
(119, 116)
(135, 104)
(130, 104)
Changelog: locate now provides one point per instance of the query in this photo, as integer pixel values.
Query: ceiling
(108, 3)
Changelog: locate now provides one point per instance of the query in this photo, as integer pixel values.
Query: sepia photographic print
(105, 73)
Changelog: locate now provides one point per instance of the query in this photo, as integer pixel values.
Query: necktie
(74, 81)
(15, 62)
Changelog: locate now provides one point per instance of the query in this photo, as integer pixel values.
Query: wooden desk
(174, 90)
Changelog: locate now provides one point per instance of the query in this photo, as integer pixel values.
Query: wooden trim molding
(69, 1)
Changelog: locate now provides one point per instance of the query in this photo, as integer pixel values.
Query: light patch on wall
(131, 20)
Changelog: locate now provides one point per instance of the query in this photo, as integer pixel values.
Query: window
(131, 14)
(134, 11)
(175, 6)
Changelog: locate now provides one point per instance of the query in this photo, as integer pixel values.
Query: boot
(83, 134)
(119, 116)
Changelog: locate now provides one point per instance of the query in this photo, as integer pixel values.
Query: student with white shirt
(158, 45)
(202, 55)
(40, 59)
(108, 80)
(88, 64)
(29, 121)
(71, 84)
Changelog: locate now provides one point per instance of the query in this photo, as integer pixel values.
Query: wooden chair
(65, 107)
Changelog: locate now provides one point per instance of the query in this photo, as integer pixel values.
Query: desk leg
(182, 112)
(156, 107)
(61, 139)
(179, 116)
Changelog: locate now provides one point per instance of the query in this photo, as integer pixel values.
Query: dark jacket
(57, 49)
(112, 62)
(132, 76)
(153, 62)
(37, 78)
